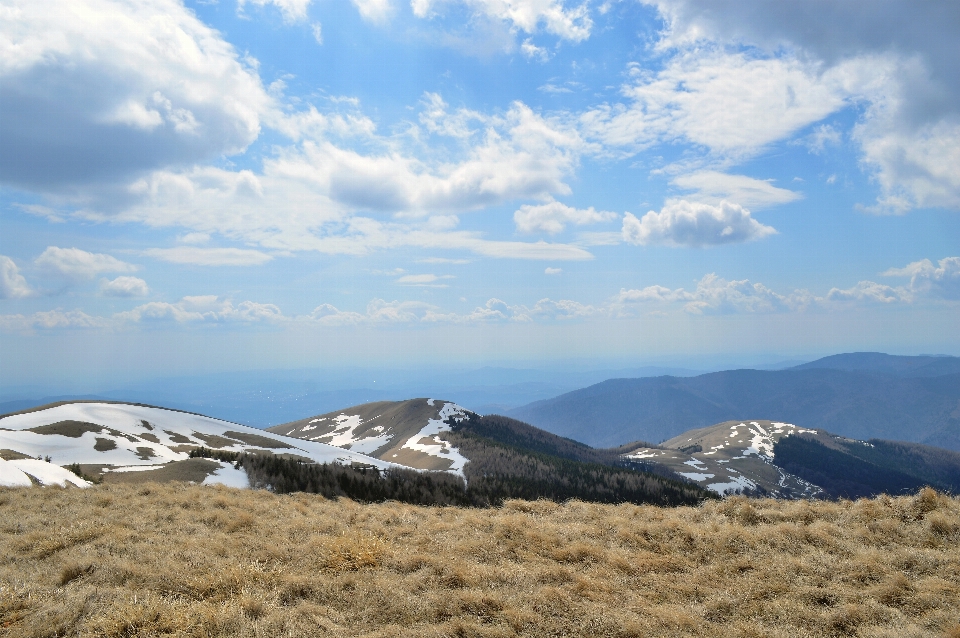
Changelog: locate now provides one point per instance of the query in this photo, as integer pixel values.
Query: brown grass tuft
(175, 559)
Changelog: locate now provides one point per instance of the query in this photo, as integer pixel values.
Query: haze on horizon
(190, 187)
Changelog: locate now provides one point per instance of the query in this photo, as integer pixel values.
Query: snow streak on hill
(405, 432)
(731, 456)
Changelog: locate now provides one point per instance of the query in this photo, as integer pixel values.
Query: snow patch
(436, 447)
(48, 473)
(694, 476)
(229, 476)
(735, 483)
(11, 476)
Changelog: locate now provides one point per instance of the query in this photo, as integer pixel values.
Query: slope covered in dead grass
(122, 560)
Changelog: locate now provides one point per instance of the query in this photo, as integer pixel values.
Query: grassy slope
(195, 561)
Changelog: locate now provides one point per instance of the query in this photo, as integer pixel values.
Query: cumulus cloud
(870, 291)
(901, 59)
(124, 286)
(683, 223)
(941, 280)
(713, 187)
(317, 195)
(376, 11)
(552, 271)
(553, 217)
(209, 256)
(204, 308)
(147, 83)
(12, 283)
(78, 265)
(715, 295)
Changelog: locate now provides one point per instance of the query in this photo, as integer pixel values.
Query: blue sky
(200, 186)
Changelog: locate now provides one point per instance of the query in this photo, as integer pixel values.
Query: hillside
(122, 441)
(854, 404)
(404, 432)
(498, 457)
(785, 461)
(120, 560)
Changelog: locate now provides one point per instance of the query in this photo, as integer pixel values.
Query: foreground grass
(127, 560)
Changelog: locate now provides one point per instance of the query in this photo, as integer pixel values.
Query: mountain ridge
(858, 404)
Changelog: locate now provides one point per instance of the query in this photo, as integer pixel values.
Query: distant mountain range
(753, 457)
(857, 395)
(378, 451)
(428, 451)
(498, 457)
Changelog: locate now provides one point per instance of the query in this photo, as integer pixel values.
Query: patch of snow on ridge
(12, 476)
(762, 442)
(694, 476)
(48, 473)
(736, 483)
(229, 476)
(125, 419)
(345, 435)
(430, 432)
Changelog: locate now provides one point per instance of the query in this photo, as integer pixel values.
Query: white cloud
(683, 223)
(899, 59)
(147, 83)
(823, 136)
(317, 29)
(12, 283)
(52, 319)
(529, 49)
(124, 286)
(205, 308)
(553, 217)
(77, 264)
(715, 295)
(552, 271)
(376, 11)
(712, 187)
(424, 280)
(938, 281)
(733, 105)
(915, 167)
(572, 24)
(552, 310)
(870, 291)
(292, 10)
(209, 256)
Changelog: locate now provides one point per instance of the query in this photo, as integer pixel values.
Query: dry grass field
(177, 559)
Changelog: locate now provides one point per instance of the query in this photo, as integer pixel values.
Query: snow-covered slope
(731, 456)
(122, 437)
(405, 432)
(17, 473)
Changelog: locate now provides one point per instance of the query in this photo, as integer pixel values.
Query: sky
(214, 185)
